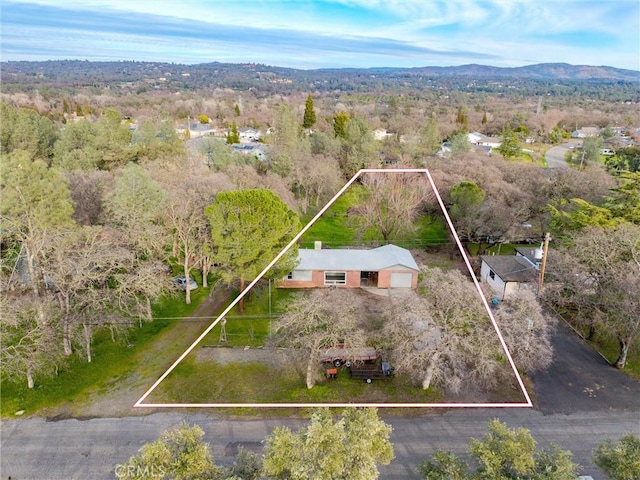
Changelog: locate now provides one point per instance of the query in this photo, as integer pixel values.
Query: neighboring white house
(249, 134)
(533, 255)
(506, 274)
(381, 134)
(477, 138)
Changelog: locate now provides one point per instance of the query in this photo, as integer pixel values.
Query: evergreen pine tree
(232, 134)
(309, 113)
(462, 119)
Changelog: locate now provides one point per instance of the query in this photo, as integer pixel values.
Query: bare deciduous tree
(28, 345)
(391, 203)
(526, 331)
(599, 275)
(443, 336)
(79, 266)
(321, 319)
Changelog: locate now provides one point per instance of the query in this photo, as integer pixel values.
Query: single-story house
(249, 134)
(197, 130)
(506, 274)
(383, 267)
(257, 150)
(381, 134)
(477, 138)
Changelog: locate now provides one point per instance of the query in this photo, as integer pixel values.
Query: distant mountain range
(540, 70)
(563, 71)
(160, 76)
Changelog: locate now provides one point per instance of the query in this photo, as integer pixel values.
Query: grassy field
(111, 362)
(208, 382)
(334, 228)
(252, 327)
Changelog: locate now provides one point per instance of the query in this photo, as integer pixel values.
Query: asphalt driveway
(580, 380)
(555, 155)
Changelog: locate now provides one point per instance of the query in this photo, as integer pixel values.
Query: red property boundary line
(527, 403)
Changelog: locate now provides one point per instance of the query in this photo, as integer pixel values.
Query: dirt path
(118, 398)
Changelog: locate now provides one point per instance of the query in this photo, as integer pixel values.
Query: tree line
(352, 446)
(87, 251)
(139, 194)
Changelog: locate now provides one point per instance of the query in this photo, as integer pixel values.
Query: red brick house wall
(317, 280)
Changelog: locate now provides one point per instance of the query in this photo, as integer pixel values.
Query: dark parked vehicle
(181, 283)
(372, 371)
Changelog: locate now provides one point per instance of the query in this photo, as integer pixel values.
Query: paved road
(581, 401)
(580, 380)
(555, 155)
(72, 449)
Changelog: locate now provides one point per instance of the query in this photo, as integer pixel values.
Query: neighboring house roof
(257, 150)
(586, 132)
(360, 260)
(511, 268)
(381, 134)
(477, 138)
(530, 254)
(200, 127)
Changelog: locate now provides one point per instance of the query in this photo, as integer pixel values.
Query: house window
(492, 275)
(300, 275)
(335, 278)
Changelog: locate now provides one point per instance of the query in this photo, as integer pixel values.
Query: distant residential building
(381, 134)
(197, 130)
(585, 132)
(480, 139)
(257, 150)
(249, 134)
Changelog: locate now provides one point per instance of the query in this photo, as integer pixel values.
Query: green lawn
(497, 248)
(332, 228)
(335, 230)
(111, 362)
(252, 327)
(208, 382)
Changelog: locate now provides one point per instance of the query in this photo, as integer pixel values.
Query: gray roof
(361, 260)
(511, 268)
(529, 254)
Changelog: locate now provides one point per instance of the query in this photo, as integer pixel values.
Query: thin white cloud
(364, 32)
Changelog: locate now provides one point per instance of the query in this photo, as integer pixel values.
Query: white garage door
(401, 280)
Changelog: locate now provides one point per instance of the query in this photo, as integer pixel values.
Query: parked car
(181, 283)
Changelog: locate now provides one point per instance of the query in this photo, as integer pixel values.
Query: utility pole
(545, 249)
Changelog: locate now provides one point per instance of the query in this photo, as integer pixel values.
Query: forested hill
(558, 71)
(556, 78)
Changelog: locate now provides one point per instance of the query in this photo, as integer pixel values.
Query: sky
(309, 34)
